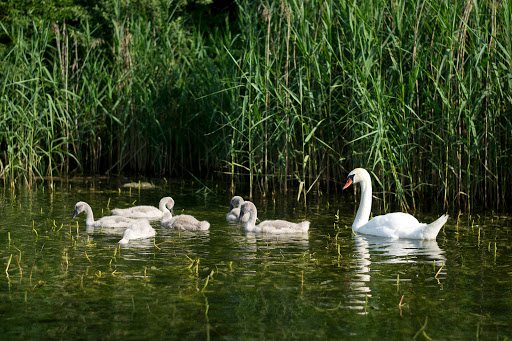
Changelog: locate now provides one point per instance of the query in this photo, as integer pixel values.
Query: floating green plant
(421, 331)
(207, 280)
(439, 271)
(7, 267)
(87, 257)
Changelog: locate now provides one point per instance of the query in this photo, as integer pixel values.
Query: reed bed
(290, 94)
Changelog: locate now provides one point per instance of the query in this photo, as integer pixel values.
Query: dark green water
(62, 283)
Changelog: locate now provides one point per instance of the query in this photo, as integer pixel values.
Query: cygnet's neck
(365, 206)
(167, 216)
(251, 223)
(162, 206)
(89, 216)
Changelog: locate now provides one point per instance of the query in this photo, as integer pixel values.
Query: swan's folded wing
(144, 211)
(393, 225)
(283, 226)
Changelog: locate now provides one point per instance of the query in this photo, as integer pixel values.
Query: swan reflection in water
(295, 243)
(400, 250)
(379, 250)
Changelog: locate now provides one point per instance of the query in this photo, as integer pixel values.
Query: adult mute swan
(234, 214)
(140, 229)
(183, 222)
(144, 211)
(269, 226)
(108, 221)
(394, 225)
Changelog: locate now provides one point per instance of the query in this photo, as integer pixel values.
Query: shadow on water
(67, 279)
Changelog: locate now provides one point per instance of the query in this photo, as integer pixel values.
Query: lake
(60, 282)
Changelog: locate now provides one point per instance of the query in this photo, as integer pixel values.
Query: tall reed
(74, 102)
(290, 94)
(416, 92)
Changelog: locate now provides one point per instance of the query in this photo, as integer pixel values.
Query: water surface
(61, 282)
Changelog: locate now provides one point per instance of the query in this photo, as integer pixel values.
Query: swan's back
(281, 226)
(114, 222)
(143, 211)
(401, 225)
(146, 211)
(186, 222)
(138, 230)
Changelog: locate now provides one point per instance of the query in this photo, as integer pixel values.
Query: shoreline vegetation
(277, 94)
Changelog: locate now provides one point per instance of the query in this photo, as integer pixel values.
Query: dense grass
(292, 94)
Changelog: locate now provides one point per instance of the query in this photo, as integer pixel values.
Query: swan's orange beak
(348, 183)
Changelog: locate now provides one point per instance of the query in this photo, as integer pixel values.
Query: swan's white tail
(432, 229)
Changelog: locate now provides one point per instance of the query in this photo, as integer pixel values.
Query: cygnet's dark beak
(75, 213)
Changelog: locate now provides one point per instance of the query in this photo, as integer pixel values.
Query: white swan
(184, 222)
(269, 226)
(108, 221)
(394, 225)
(143, 211)
(140, 229)
(234, 214)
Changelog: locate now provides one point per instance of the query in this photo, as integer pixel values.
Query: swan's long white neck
(365, 206)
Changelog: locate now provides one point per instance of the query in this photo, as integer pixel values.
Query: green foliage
(415, 92)
(291, 93)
